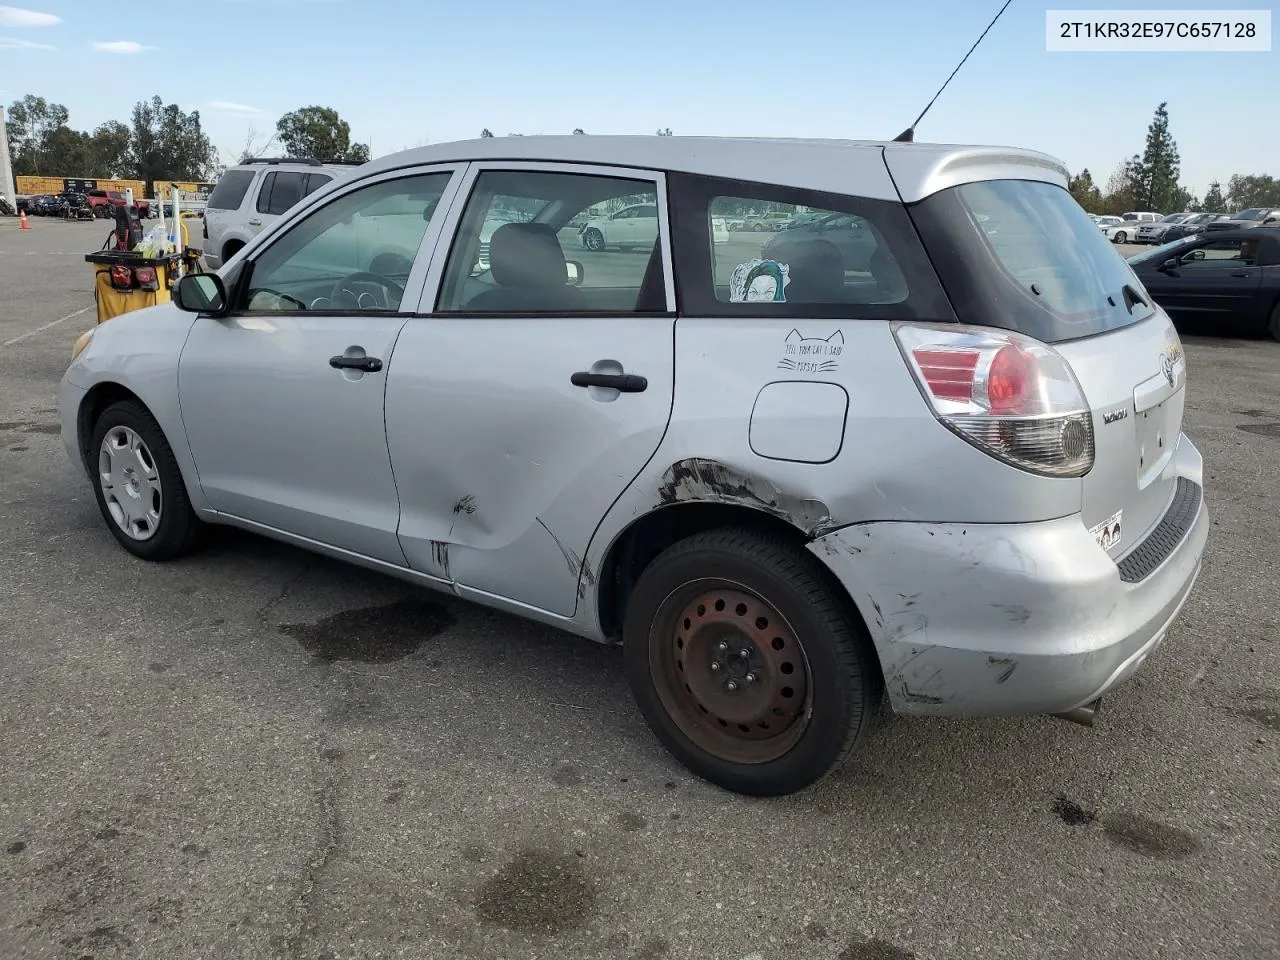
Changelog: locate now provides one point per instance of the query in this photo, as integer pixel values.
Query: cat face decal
(811, 354)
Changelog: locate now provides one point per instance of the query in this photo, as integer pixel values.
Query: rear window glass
(1023, 255)
(230, 191)
(746, 249)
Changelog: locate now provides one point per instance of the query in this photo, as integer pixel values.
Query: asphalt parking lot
(256, 753)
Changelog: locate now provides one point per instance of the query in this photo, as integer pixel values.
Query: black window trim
(652, 282)
(689, 197)
(238, 282)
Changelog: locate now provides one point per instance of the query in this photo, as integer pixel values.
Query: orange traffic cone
(22, 220)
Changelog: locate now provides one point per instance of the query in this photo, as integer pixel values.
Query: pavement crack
(285, 587)
(329, 841)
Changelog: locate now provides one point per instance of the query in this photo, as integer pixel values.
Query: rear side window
(315, 181)
(230, 191)
(280, 191)
(758, 250)
(1022, 255)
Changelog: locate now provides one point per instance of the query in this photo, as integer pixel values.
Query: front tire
(1120, 237)
(138, 485)
(1274, 326)
(593, 240)
(747, 663)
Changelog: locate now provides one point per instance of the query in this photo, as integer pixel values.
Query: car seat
(816, 270)
(528, 266)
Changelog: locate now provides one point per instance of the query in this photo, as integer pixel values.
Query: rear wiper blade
(1132, 296)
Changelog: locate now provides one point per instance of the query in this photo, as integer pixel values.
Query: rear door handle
(363, 364)
(622, 382)
(255, 223)
(1241, 273)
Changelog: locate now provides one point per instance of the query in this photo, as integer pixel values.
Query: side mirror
(1170, 265)
(575, 272)
(201, 293)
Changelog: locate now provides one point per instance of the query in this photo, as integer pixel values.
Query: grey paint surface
(258, 753)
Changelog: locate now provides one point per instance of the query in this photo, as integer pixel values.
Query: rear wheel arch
(641, 542)
(231, 248)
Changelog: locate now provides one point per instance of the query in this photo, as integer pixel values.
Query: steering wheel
(364, 276)
(283, 296)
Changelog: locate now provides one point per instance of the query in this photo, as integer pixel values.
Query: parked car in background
(1193, 224)
(1251, 217)
(1153, 233)
(1103, 221)
(1225, 280)
(1141, 216)
(957, 480)
(633, 226)
(251, 196)
(1126, 231)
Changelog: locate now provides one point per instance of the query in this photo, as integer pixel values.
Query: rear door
(520, 406)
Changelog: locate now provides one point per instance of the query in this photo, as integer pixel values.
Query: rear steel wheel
(732, 674)
(748, 661)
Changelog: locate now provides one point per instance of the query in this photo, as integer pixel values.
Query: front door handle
(363, 364)
(255, 223)
(1241, 273)
(622, 382)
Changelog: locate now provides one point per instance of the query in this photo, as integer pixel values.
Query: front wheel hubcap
(130, 483)
(731, 673)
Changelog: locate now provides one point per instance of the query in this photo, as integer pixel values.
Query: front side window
(543, 242)
(352, 254)
(789, 252)
(280, 191)
(1220, 255)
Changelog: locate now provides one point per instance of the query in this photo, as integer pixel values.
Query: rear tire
(138, 486)
(794, 683)
(1274, 326)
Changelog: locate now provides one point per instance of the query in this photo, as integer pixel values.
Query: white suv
(251, 195)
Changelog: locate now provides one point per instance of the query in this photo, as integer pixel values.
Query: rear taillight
(1009, 395)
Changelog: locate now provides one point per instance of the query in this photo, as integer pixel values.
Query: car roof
(836, 166)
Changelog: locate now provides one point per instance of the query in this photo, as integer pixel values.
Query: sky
(406, 73)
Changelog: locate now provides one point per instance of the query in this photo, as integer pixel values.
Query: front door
(283, 399)
(1214, 283)
(525, 404)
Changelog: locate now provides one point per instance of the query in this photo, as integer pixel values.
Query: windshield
(1163, 252)
(1174, 218)
(1253, 213)
(1036, 265)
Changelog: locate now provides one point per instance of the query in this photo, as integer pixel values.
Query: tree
(1153, 177)
(319, 132)
(168, 144)
(31, 122)
(1253, 190)
(578, 132)
(664, 131)
(252, 150)
(109, 154)
(486, 132)
(1214, 202)
(1085, 191)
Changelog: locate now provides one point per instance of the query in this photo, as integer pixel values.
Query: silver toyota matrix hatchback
(918, 438)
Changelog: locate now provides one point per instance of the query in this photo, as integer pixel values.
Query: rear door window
(230, 191)
(748, 249)
(1022, 255)
(280, 191)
